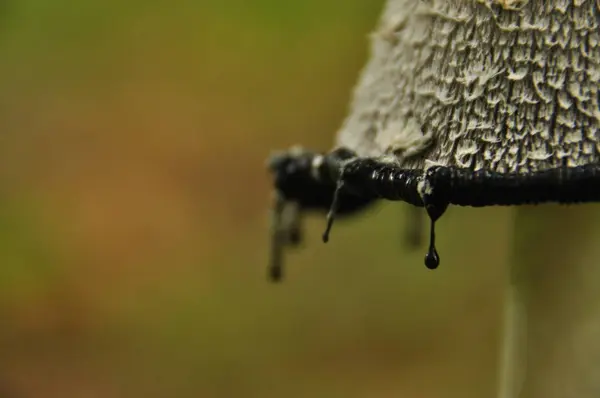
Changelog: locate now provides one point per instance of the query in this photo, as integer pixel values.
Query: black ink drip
(299, 191)
(275, 269)
(346, 183)
(335, 205)
(374, 179)
(432, 258)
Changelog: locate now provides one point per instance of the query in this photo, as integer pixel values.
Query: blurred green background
(134, 215)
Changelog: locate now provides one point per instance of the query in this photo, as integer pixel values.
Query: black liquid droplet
(330, 218)
(292, 225)
(275, 273)
(432, 258)
(335, 203)
(275, 267)
(295, 237)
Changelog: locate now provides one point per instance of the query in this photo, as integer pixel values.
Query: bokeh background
(134, 215)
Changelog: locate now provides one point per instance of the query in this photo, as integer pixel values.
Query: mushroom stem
(513, 353)
(551, 344)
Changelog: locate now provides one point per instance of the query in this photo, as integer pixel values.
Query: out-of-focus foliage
(134, 203)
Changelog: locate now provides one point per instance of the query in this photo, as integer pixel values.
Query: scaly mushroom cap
(510, 86)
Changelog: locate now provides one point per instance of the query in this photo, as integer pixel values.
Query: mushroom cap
(508, 86)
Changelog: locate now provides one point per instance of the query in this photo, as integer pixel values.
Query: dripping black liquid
(341, 183)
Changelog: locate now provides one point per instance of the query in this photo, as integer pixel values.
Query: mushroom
(480, 103)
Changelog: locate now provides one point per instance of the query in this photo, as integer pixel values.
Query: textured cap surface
(505, 85)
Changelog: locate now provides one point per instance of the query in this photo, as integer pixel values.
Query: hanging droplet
(432, 258)
(292, 224)
(435, 211)
(275, 268)
(295, 236)
(275, 273)
(333, 210)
